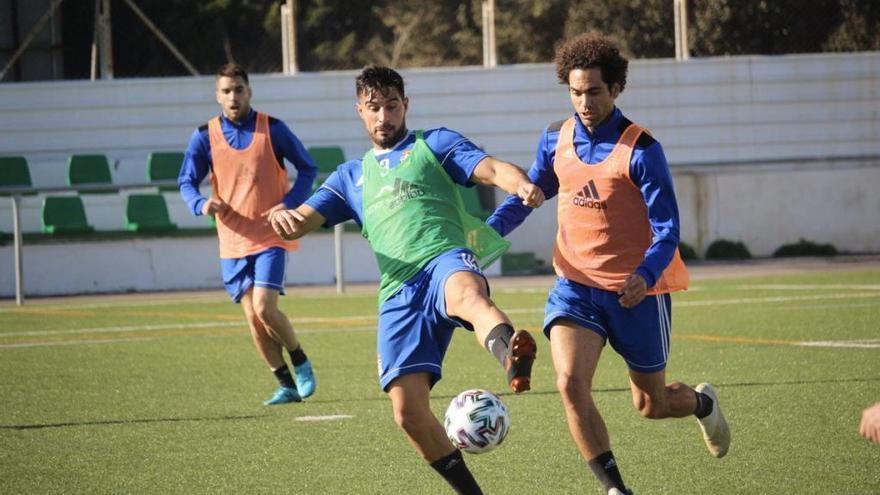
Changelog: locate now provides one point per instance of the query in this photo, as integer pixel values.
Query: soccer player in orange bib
(616, 256)
(244, 151)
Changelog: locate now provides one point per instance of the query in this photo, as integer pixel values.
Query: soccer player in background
(245, 150)
(616, 256)
(404, 195)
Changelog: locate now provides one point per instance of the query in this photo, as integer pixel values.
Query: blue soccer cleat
(305, 379)
(283, 395)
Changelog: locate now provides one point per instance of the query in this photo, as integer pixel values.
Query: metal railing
(16, 192)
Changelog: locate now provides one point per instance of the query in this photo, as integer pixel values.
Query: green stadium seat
(519, 263)
(14, 171)
(472, 202)
(147, 213)
(89, 169)
(64, 214)
(164, 165)
(326, 158)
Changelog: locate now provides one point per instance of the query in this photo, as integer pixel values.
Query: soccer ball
(476, 421)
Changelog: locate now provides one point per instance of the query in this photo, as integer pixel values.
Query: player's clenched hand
(633, 291)
(287, 223)
(531, 195)
(214, 205)
(870, 425)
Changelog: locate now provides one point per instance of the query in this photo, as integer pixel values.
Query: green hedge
(805, 248)
(687, 252)
(722, 249)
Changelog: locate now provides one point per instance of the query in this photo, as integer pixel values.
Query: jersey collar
(400, 144)
(605, 131)
(250, 118)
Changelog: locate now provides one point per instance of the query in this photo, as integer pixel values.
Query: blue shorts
(640, 334)
(414, 329)
(266, 269)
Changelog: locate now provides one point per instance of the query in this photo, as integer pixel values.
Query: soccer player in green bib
(404, 194)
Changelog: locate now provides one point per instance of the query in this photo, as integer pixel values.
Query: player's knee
(254, 321)
(265, 313)
(467, 299)
(408, 418)
(573, 387)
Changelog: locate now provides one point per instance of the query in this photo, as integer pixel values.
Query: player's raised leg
(269, 275)
(467, 298)
(657, 400)
(576, 352)
(271, 350)
(279, 326)
(716, 431)
(410, 400)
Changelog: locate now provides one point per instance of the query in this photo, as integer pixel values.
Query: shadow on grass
(124, 422)
(720, 385)
(109, 422)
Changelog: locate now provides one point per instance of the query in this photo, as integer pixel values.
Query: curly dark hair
(592, 50)
(378, 78)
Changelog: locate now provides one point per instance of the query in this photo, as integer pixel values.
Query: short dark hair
(379, 78)
(592, 50)
(233, 70)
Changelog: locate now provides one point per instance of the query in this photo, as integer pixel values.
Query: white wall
(702, 110)
(804, 116)
(172, 263)
(763, 206)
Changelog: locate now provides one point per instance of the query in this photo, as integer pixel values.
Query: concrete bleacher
(764, 149)
(703, 110)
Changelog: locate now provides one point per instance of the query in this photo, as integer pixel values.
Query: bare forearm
(501, 174)
(510, 178)
(293, 224)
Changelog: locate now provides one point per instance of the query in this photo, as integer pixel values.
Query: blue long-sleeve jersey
(197, 161)
(340, 197)
(649, 171)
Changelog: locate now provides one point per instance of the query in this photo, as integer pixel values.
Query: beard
(390, 139)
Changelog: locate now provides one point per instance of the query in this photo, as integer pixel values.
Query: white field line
(808, 287)
(152, 337)
(372, 319)
(175, 326)
(134, 328)
(319, 320)
(147, 302)
(506, 290)
(829, 305)
(73, 342)
(867, 343)
(329, 417)
(774, 299)
(119, 304)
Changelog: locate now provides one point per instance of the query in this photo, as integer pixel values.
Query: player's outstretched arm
(293, 224)
(507, 176)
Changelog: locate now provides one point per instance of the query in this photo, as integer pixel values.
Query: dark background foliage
(337, 34)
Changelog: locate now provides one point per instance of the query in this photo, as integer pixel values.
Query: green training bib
(413, 212)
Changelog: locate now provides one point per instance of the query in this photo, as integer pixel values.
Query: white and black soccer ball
(476, 421)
